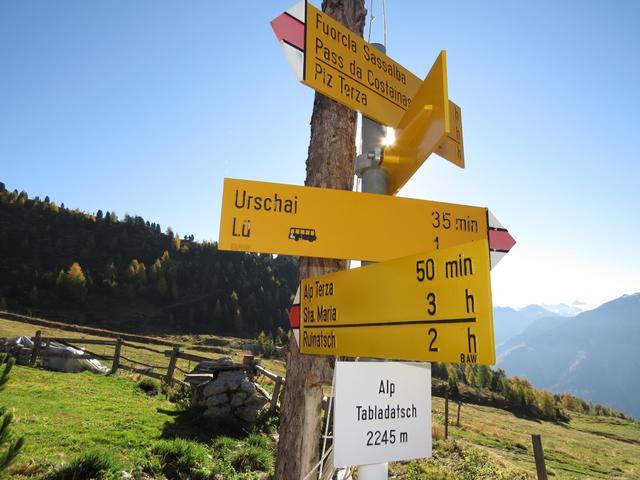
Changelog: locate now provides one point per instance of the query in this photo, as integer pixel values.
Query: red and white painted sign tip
(289, 30)
(294, 317)
(294, 312)
(500, 240)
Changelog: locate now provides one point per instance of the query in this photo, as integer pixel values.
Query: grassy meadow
(586, 447)
(63, 415)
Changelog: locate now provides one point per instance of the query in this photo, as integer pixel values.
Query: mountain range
(593, 354)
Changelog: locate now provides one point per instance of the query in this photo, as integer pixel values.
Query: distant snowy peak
(632, 295)
(564, 310)
(534, 312)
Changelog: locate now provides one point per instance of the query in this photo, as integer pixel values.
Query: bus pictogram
(308, 234)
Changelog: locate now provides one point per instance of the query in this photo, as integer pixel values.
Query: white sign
(382, 412)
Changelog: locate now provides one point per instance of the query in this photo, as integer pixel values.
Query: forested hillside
(129, 275)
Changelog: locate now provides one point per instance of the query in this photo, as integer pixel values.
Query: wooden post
(36, 348)
(446, 415)
(459, 405)
(116, 356)
(276, 394)
(538, 454)
(249, 361)
(172, 364)
(46, 352)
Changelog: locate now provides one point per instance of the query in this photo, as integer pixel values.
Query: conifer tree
(34, 295)
(9, 447)
(110, 277)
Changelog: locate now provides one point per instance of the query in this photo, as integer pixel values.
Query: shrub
(264, 345)
(252, 457)
(149, 386)
(437, 432)
(267, 422)
(179, 394)
(257, 440)
(179, 458)
(223, 444)
(94, 464)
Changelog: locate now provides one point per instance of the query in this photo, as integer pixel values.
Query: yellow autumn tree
(73, 283)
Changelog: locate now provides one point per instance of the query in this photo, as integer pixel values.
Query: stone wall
(230, 395)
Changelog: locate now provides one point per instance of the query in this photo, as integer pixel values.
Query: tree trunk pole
(330, 164)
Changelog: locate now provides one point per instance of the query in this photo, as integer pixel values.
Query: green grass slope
(62, 415)
(586, 447)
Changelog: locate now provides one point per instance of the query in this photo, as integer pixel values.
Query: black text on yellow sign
(434, 306)
(284, 219)
(341, 65)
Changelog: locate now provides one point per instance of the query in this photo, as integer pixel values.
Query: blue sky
(144, 107)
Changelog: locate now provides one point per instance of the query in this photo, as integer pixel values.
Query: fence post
(446, 415)
(116, 356)
(46, 353)
(249, 362)
(172, 364)
(276, 394)
(538, 454)
(459, 405)
(36, 348)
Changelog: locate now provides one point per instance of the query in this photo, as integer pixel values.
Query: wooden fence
(165, 373)
(274, 398)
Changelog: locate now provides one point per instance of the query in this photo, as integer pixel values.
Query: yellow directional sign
(338, 63)
(341, 65)
(452, 147)
(315, 222)
(434, 306)
(426, 127)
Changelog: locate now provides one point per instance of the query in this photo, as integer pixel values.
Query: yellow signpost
(342, 66)
(434, 306)
(336, 62)
(291, 220)
(426, 127)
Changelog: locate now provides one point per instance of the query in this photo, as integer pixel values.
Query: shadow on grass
(190, 424)
(522, 415)
(187, 424)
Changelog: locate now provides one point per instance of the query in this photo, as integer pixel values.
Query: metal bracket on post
(375, 179)
(370, 159)
(369, 163)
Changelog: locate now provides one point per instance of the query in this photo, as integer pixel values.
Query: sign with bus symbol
(308, 234)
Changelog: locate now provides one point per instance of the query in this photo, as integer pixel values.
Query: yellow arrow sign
(431, 124)
(290, 220)
(336, 62)
(341, 65)
(434, 306)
